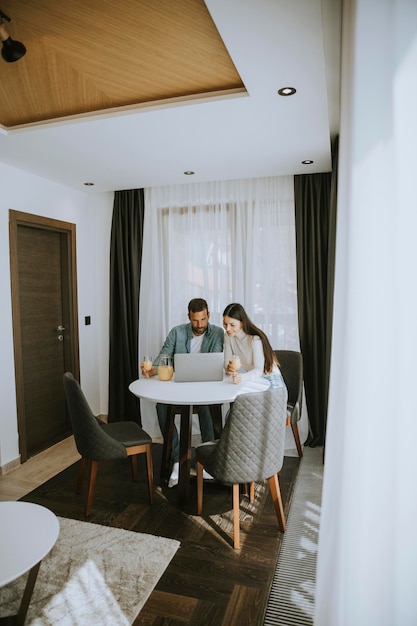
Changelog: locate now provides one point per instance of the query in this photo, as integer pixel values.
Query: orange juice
(235, 362)
(165, 372)
(147, 366)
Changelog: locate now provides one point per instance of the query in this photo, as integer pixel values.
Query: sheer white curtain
(368, 549)
(230, 241)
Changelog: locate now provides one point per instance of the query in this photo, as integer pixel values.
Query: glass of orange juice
(147, 363)
(235, 362)
(165, 367)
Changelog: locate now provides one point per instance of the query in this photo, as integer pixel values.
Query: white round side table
(27, 534)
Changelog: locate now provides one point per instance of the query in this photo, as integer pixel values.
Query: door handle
(60, 328)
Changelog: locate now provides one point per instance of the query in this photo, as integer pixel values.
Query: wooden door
(45, 326)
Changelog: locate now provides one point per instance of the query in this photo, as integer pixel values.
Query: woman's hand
(233, 365)
(230, 370)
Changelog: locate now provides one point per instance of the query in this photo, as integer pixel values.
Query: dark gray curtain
(315, 218)
(125, 268)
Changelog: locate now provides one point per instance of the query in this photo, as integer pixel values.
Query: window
(225, 242)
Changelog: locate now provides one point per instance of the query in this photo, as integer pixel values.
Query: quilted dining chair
(291, 365)
(97, 441)
(250, 449)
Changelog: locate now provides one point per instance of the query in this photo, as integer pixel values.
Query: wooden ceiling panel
(83, 57)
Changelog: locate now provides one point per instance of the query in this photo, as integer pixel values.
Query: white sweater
(249, 349)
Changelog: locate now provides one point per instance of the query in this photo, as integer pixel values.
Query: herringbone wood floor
(207, 582)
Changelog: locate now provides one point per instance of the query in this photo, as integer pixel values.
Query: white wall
(92, 213)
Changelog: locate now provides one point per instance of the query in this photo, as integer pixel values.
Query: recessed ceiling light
(189, 173)
(89, 184)
(287, 91)
(307, 162)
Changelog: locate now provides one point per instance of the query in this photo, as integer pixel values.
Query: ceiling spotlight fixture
(287, 91)
(189, 173)
(89, 184)
(307, 162)
(11, 50)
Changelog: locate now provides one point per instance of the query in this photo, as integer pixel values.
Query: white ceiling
(273, 44)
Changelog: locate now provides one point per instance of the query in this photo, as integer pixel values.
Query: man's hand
(147, 373)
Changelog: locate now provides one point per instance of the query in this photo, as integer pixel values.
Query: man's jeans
(206, 427)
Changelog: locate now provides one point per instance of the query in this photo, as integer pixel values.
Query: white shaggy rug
(93, 575)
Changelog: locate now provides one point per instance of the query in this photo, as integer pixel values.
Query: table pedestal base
(186, 413)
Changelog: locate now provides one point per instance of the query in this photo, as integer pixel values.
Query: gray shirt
(179, 340)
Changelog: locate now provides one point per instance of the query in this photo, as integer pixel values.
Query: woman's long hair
(237, 311)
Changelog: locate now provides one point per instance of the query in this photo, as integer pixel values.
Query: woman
(251, 345)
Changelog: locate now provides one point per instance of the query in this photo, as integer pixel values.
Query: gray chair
(291, 365)
(97, 441)
(250, 449)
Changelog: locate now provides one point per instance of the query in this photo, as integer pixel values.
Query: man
(196, 336)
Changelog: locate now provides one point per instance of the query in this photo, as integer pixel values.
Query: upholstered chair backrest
(291, 365)
(91, 441)
(251, 445)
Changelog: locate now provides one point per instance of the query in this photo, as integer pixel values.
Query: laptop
(198, 367)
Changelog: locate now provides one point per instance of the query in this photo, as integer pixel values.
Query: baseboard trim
(10, 466)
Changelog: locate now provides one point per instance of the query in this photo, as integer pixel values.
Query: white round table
(27, 534)
(189, 394)
(170, 392)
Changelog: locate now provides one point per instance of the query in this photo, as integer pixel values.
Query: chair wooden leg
(200, 484)
(277, 500)
(134, 461)
(134, 452)
(294, 428)
(249, 491)
(81, 474)
(149, 468)
(91, 485)
(236, 522)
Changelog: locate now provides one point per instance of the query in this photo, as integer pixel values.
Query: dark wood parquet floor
(207, 582)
